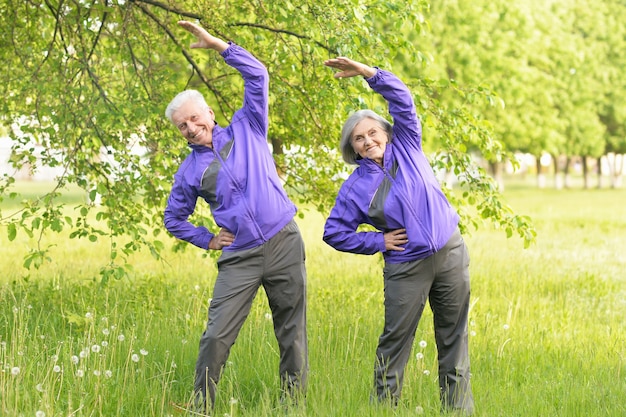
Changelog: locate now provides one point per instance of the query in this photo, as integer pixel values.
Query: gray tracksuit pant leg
(443, 279)
(279, 266)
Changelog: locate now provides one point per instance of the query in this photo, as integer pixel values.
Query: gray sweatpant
(443, 279)
(279, 266)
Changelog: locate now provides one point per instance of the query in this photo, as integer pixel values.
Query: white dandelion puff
(95, 348)
(88, 316)
(419, 410)
(54, 358)
(108, 373)
(74, 359)
(505, 327)
(472, 333)
(419, 356)
(96, 372)
(423, 344)
(105, 331)
(268, 316)
(104, 343)
(426, 372)
(121, 338)
(143, 352)
(15, 371)
(135, 357)
(40, 414)
(80, 373)
(39, 387)
(56, 369)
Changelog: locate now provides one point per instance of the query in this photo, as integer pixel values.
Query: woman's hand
(205, 39)
(222, 239)
(395, 238)
(350, 68)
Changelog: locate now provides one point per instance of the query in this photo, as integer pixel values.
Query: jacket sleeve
(407, 128)
(180, 205)
(256, 86)
(340, 230)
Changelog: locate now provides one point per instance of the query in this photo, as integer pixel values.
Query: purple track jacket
(403, 194)
(237, 177)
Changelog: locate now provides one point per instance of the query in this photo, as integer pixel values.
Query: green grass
(547, 325)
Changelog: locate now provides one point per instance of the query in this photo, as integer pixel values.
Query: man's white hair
(183, 97)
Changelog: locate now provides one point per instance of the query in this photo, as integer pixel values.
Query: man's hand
(395, 238)
(222, 239)
(350, 68)
(205, 39)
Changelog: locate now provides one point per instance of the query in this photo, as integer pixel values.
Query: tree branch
(193, 63)
(168, 8)
(287, 32)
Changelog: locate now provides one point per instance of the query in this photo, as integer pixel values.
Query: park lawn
(547, 333)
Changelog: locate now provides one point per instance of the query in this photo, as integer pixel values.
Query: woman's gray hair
(345, 144)
(183, 97)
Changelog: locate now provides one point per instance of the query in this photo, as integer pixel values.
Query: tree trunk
(567, 178)
(541, 178)
(585, 162)
(496, 171)
(558, 183)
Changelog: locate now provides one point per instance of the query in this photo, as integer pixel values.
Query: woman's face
(369, 140)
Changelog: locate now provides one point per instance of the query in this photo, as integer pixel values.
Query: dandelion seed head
(197, 288)
(80, 373)
(88, 315)
(419, 410)
(419, 356)
(95, 348)
(505, 327)
(426, 372)
(15, 309)
(104, 343)
(54, 358)
(15, 371)
(268, 316)
(108, 373)
(105, 331)
(423, 344)
(187, 316)
(40, 414)
(135, 357)
(233, 401)
(39, 387)
(121, 337)
(96, 372)
(56, 369)
(84, 353)
(143, 352)
(472, 333)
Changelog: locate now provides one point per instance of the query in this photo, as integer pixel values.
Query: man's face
(195, 123)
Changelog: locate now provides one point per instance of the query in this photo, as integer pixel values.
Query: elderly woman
(394, 189)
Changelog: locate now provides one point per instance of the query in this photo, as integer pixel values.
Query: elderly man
(232, 169)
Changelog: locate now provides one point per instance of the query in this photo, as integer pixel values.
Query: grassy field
(547, 326)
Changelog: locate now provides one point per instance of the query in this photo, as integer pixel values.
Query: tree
(89, 80)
